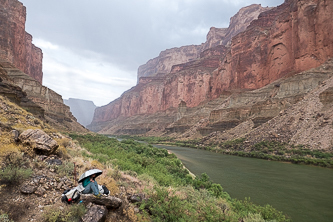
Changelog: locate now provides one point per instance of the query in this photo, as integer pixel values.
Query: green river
(305, 193)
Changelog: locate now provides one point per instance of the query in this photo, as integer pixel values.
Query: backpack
(73, 195)
(70, 196)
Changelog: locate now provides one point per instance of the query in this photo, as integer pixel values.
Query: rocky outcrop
(95, 213)
(162, 64)
(15, 43)
(83, 110)
(233, 114)
(308, 122)
(39, 141)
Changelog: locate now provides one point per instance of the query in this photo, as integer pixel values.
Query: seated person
(90, 186)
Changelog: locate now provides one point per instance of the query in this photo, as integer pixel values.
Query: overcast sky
(92, 49)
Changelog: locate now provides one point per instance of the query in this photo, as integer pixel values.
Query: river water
(305, 193)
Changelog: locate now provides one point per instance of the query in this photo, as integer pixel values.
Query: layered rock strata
(15, 43)
(36, 98)
(235, 114)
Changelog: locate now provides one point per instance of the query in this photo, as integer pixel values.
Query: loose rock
(95, 214)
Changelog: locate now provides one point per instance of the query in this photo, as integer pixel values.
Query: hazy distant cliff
(83, 110)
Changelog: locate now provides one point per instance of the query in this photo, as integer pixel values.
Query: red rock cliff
(15, 43)
(284, 40)
(288, 39)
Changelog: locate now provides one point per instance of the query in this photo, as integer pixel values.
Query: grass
(71, 213)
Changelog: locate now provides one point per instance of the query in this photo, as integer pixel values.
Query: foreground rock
(27, 188)
(95, 213)
(110, 202)
(39, 140)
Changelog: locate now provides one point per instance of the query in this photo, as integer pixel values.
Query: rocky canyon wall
(288, 39)
(282, 42)
(158, 91)
(15, 43)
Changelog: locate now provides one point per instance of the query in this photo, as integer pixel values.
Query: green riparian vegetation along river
(174, 194)
(303, 192)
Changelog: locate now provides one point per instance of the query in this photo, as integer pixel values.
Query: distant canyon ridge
(242, 79)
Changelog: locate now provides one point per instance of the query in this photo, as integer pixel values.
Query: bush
(14, 175)
(4, 217)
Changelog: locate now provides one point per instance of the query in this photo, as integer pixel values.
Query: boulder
(95, 213)
(135, 198)
(27, 188)
(110, 202)
(39, 141)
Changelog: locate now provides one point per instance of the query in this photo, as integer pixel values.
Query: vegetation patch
(269, 150)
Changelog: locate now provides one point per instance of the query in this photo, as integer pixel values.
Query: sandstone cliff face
(188, 82)
(285, 40)
(162, 64)
(15, 44)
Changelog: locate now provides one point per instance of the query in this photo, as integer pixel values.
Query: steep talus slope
(244, 85)
(308, 122)
(15, 43)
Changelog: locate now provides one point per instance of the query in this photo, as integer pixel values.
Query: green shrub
(4, 217)
(14, 175)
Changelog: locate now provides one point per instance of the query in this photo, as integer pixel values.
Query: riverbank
(269, 150)
(301, 191)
